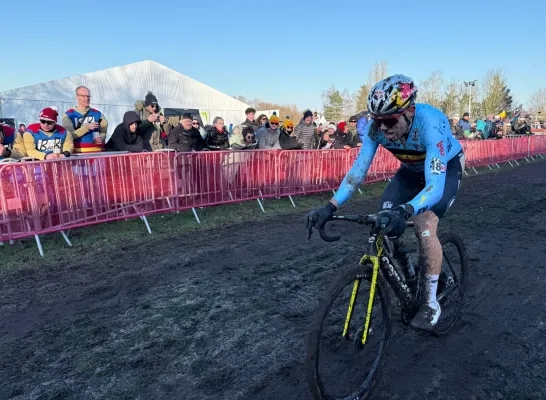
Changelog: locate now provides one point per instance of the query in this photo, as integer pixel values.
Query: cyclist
(424, 187)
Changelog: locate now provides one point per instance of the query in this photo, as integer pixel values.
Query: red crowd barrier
(51, 196)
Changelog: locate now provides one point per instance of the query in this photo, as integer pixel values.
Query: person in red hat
(46, 140)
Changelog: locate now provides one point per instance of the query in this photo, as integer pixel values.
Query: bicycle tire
(461, 249)
(341, 281)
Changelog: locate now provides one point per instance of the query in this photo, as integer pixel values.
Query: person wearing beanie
(342, 137)
(158, 128)
(287, 138)
(87, 125)
(305, 131)
(268, 135)
(45, 140)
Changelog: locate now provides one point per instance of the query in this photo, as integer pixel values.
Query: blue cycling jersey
(428, 147)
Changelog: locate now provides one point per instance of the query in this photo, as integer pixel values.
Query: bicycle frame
(381, 261)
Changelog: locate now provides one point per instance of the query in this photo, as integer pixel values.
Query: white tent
(115, 90)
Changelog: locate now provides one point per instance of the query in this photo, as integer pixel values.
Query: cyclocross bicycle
(386, 262)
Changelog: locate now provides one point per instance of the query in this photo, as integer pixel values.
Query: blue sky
(281, 51)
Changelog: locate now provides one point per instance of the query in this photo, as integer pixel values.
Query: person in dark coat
(128, 136)
(184, 137)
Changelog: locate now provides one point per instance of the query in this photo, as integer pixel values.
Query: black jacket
(217, 140)
(185, 140)
(124, 140)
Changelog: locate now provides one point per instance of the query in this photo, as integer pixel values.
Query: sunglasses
(250, 138)
(289, 129)
(43, 121)
(352, 122)
(195, 123)
(274, 123)
(388, 122)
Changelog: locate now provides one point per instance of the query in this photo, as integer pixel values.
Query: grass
(89, 241)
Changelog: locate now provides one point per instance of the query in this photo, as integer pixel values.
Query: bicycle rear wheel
(452, 282)
(326, 374)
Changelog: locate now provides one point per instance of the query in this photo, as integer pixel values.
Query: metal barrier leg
(512, 165)
(497, 165)
(39, 244)
(516, 161)
(292, 201)
(474, 169)
(261, 206)
(195, 215)
(66, 239)
(466, 173)
(334, 192)
(143, 218)
(360, 191)
(489, 166)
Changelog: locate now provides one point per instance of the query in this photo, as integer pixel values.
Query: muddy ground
(225, 315)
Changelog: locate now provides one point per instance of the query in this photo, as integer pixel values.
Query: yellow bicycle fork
(374, 260)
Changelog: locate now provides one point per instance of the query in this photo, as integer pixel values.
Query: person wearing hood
(268, 135)
(185, 137)
(305, 131)
(128, 136)
(159, 127)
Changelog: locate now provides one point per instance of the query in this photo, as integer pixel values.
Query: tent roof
(125, 84)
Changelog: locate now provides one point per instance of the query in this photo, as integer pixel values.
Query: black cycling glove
(392, 222)
(319, 217)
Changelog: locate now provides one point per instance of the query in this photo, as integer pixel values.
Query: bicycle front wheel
(339, 365)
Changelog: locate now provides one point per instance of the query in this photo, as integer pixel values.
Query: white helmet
(392, 95)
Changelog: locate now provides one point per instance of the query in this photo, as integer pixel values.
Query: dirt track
(225, 315)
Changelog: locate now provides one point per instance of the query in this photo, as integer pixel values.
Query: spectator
(352, 126)
(243, 138)
(305, 131)
(46, 140)
(22, 129)
(287, 139)
(268, 135)
(202, 130)
(10, 138)
(464, 124)
(262, 120)
(158, 130)
(86, 125)
(327, 139)
(217, 136)
(185, 137)
(129, 135)
(249, 121)
(342, 137)
(521, 127)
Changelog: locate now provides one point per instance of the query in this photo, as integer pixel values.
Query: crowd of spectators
(492, 127)
(83, 130)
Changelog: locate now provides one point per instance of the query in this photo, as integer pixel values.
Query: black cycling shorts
(406, 185)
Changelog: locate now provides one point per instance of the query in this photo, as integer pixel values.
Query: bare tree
(537, 101)
(348, 104)
(495, 92)
(378, 72)
(431, 89)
